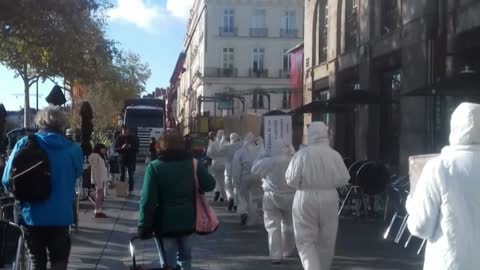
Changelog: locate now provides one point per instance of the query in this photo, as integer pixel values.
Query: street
(103, 244)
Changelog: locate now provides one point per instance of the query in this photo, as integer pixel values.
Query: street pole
(37, 95)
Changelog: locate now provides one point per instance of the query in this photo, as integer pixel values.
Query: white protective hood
(465, 129)
(444, 207)
(317, 133)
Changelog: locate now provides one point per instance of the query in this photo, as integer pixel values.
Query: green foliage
(102, 137)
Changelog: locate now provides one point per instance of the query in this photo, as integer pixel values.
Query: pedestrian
(218, 165)
(243, 179)
(167, 204)
(99, 176)
(277, 201)
(229, 151)
(316, 171)
(46, 223)
(443, 208)
(153, 149)
(127, 146)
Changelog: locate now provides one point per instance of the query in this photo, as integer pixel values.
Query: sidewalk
(103, 244)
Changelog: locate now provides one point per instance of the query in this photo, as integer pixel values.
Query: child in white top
(99, 176)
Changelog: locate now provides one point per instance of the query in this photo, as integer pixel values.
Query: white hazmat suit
(315, 172)
(218, 164)
(277, 201)
(444, 208)
(243, 180)
(228, 150)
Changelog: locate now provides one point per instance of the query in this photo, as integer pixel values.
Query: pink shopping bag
(206, 221)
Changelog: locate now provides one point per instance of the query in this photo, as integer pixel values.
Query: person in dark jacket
(46, 223)
(153, 149)
(127, 146)
(167, 204)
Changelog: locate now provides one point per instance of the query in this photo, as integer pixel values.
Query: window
(258, 101)
(390, 15)
(228, 57)
(289, 21)
(286, 101)
(323, 31)
(228, 21)
(351, 26)
(286, 61)
(322, 95)
(258, 59)
(259, 19)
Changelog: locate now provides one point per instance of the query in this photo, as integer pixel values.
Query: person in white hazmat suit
(218, 165)
(316, 171)
(444, 207)
(244, 182)
(277, 200)
(229, 150)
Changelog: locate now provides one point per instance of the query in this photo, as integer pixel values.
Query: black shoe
(231, 205)
(222, 199)
(235, 208)
(217, 196)
(243, 219)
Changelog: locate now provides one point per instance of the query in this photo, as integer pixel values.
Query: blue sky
(152, 28)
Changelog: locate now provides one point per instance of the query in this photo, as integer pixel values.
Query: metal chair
(397, 198)
(13, 252)
(345, 193)
(396, 181)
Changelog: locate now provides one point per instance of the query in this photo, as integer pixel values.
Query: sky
(154, 29)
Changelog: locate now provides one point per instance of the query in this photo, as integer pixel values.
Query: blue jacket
(66, 165)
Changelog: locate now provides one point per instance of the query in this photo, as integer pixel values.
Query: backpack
(30, 178)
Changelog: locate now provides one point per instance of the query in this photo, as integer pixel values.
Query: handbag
(206, 221)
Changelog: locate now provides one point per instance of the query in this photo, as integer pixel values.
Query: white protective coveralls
(229, 150)
(244, 182)
(444, 208)
(218, 163)
(277, 201)
(315, 172)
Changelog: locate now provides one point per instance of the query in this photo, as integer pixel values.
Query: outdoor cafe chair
(351, 190)
(397, 197)
(13, 252)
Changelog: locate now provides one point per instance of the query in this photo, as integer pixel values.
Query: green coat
(167, 205)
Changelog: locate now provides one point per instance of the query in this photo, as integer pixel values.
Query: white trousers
(315, 222)
(277, 215)
(245, 192)
(219, 175)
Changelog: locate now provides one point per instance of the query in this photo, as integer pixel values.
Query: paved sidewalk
(103, 244)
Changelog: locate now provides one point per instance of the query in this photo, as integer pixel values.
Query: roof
(296, 48)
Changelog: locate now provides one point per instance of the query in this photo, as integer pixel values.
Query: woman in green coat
(167, 205)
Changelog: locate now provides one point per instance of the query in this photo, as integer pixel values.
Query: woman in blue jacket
(47, 222)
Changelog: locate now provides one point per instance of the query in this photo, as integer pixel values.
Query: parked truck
(145, 117)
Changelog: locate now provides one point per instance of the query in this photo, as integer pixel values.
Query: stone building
(390, 48)
(237, 48)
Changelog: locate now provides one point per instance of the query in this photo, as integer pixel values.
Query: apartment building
(235, 59)
(391, 48)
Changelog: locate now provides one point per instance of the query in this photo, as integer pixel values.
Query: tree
(43, 39)
(124, 78)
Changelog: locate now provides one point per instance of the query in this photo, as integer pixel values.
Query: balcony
(258, 73)
(289, 33)
(225, 31)
(221, 72)
(258, 32)
(284, 74)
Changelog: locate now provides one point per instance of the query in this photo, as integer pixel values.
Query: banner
(277, 128)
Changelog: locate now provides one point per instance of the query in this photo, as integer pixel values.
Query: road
(103, 244)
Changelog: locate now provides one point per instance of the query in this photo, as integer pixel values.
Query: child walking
(99, 176)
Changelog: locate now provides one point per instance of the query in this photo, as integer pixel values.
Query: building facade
(235, 57)
(389, 48)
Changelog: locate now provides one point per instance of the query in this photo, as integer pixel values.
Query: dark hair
(170, 141)
(97, 149)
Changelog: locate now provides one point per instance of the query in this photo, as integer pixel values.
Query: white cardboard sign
(277, 128)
